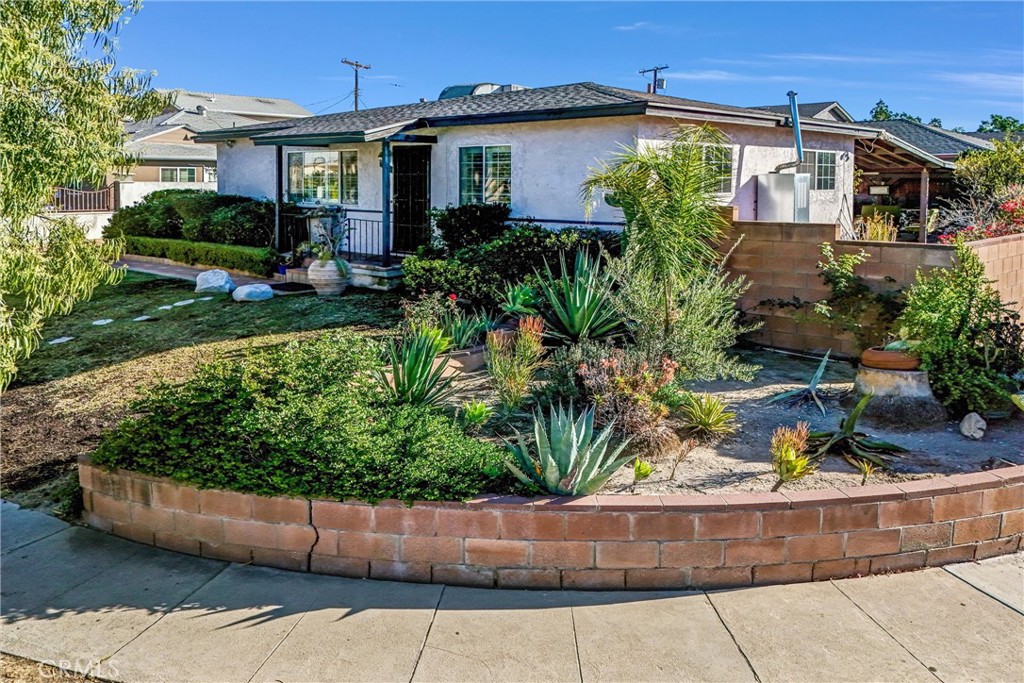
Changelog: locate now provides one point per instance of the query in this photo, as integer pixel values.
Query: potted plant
(896, 355)
(328, 274)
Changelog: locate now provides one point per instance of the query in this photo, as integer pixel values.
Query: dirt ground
(18, 670)
(740, 462)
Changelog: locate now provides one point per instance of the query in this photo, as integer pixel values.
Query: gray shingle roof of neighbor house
(166, 151)
(236, 104)
(936, 141)
(576, 100)
(197, 123)
(996, 135)
(808, 110)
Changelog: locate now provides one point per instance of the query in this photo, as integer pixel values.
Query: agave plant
(808, 393)
(580, 304)
(518, 300)
(570, 460)
(853, 445)
(464, 330)
(789, 454)
(475, 414)
(414, 378)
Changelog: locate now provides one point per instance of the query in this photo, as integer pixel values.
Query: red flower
(453, 297)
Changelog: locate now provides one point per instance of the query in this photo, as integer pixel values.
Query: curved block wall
(595, 542)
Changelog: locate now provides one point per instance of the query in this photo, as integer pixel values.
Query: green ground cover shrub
(257, 260)
(306, 419)
(197, 210)
(154, 216)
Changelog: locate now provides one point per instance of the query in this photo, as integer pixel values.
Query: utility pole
(654, 80)
(356, 66)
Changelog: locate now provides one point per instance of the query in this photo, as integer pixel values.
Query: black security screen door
(411, 202)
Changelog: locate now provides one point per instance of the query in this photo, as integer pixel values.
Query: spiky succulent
(570, 460)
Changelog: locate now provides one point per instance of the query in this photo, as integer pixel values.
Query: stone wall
(1004, 262)
(594, 542)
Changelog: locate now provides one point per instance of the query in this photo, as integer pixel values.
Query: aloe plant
(518, 300)
(570, 460)
(580, 304)
(851, 444)
(464, 330)
(415, 378)
(808, 393)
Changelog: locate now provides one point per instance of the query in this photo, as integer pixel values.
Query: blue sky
(958, 61)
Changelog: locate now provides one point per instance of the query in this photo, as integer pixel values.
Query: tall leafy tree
(997, 123)
(63, 103)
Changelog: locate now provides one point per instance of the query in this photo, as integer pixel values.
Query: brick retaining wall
(595, 542)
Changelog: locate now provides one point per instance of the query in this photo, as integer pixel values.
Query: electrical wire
(335, 103)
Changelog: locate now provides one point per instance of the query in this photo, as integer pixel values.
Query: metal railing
(360, 239)
(70, 200)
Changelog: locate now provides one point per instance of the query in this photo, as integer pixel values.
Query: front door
(411, 198)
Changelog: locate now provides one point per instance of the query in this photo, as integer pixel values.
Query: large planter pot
(881, 359)
(466, 360)
(327, 277)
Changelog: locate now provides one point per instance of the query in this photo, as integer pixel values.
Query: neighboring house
(826, 111)
(531, 148)
(166, 154)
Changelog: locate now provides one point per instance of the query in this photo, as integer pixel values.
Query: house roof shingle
(936, 141)
(808, 110)
(235, 104)
(546, 100)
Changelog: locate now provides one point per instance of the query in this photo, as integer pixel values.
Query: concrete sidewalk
(134, 613)
(183, 272)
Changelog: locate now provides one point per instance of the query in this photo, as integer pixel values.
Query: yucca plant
(789, 454)
(570, 460)
(808, 393)
(518, 300)
(849, 443)
(414, 378)
(464, 330)
(579, 305)
(706, 415)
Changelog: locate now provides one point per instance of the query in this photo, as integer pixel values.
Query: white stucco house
(529, 147)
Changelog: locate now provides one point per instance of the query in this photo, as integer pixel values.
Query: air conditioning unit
(784, 197)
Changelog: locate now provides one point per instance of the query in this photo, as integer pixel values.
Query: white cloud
(994, 83)
(635, 26)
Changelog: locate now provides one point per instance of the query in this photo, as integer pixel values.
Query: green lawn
(199, 323)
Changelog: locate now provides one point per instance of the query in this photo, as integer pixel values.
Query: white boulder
(973, 426)
(253, 293)
(214, 282)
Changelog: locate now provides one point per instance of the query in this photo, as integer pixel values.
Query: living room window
(324, 176)
(184, 174)
(485, 174)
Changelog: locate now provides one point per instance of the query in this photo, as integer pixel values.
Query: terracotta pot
(327, 278)
(466, 360)
(880, 359)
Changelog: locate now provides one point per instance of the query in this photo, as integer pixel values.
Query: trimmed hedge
(256, 260)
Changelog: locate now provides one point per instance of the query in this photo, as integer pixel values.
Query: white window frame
(177, 174)
(732, 169)
(483, 180)
(815, 164)
(209, 174)
(340, 201)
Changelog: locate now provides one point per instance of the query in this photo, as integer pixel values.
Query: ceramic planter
(880, 359)
(466, 360)
(327, 277)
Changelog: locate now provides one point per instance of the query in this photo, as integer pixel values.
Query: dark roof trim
(625, 109)
(233, 134)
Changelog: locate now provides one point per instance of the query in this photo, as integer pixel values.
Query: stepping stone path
(165, 308)
(104, 321)
(186, 302)
(60, 340)
(205, 298)
(142, 318)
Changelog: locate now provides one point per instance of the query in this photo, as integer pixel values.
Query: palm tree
(668, 193)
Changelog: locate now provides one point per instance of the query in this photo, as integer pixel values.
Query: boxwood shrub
(256, 260)
(301, 419)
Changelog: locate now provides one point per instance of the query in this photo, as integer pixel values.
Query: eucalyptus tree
(63, 104)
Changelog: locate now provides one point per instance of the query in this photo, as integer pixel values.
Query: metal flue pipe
(794, 115)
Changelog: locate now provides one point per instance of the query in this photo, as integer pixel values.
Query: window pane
(320, 177)
(471, 175)
(826, 175)
(350, 177)
(498, 174)
(807, 166)
(187, 175)
(168, 175)
(720, 157)
(295, 176)
(210, 174)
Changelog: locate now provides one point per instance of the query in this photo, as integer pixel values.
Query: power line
(335, 103)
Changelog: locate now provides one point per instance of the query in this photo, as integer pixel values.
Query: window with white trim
(210, 174)
(720, 158)
(821, 166)
(183, 174)
(324, 176)
(485, 174)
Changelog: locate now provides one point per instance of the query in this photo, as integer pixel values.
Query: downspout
(794, 115)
